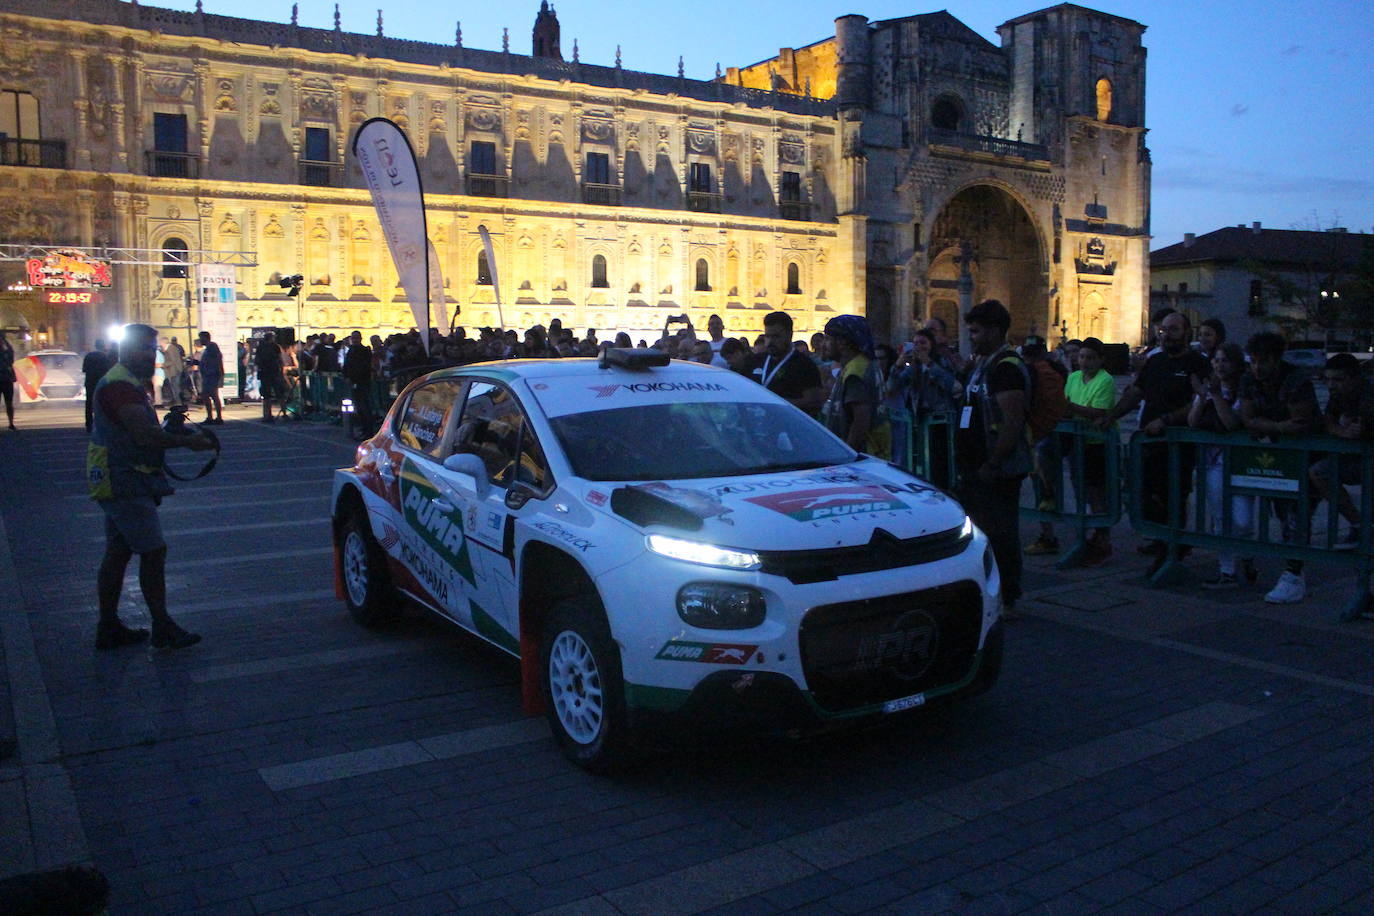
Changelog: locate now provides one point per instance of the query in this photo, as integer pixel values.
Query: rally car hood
(796, 510)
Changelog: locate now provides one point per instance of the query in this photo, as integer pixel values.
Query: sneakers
(171, 636)
(1042, 546)
(1223, 580)
(1291, 589)
(117, 635)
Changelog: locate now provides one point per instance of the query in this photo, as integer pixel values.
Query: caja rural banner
(388, 165)
(215, 290)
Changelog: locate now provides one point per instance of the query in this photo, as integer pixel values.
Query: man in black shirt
(991, 448)
(357, 368)
(1277, 399)
(271, 380)
(94, 367)
(1164, 385)
(784, 371)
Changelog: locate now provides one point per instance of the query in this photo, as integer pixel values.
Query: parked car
(49, 375)
(660, 540)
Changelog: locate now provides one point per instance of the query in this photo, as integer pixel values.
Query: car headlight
(967, 531)
(704, 554)
(718, 606)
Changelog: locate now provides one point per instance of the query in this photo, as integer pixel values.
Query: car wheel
(584, 692)
(367, 585)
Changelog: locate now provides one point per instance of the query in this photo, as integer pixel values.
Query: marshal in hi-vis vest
(117, 468)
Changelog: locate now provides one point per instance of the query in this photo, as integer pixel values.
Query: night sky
(1257, 110)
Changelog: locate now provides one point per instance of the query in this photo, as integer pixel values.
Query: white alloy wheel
(355, 569)
(575, 686)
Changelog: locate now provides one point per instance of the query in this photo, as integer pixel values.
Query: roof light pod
(636, 359)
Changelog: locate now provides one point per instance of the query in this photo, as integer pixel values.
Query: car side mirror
(519, 494)
(470, 465)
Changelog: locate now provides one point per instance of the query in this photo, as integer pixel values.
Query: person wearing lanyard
(793, 378)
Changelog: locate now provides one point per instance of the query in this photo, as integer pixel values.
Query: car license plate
(910, 702)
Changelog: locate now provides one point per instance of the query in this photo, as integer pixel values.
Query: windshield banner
(560, 396)
(388, 165)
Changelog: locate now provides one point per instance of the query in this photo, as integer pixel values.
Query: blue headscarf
(853, 328)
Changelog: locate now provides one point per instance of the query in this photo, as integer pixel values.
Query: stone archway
(1007, 251)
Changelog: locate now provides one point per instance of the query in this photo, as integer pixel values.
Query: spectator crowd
(1003, 403)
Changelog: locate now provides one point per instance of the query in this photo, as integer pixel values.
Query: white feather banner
(388, 165)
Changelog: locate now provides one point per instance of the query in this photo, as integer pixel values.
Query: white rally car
(654, 539)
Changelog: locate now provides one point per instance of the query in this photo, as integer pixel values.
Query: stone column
(965, 294)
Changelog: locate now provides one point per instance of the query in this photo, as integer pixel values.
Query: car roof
(575, 367)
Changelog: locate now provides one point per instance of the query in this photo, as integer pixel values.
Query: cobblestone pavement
(1145, 750)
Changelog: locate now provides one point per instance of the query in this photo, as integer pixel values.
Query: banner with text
(218, 299)
(388, 165)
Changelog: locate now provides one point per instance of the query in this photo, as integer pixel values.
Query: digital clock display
(70, 297)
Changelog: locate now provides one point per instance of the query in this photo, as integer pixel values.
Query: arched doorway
(1008, 259)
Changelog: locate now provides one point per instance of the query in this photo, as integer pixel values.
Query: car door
(428, 544)
(497, 467)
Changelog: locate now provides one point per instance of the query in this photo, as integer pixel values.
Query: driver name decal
(811, 505)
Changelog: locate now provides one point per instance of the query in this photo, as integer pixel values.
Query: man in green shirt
(1090, 393)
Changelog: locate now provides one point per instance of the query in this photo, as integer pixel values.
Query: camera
(174, 421)
(293, 284)
(679, 319)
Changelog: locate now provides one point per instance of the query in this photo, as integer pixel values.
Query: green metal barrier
(1274, 475)
(1051, 504)
(929, 445)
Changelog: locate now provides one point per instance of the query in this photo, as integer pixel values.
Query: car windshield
(695, 440)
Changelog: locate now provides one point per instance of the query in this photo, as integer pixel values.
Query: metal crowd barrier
(319, 396)
(1275, 476)
(1052, 503)
(927, 445)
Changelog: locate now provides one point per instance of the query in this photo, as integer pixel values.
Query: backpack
(1047, 402)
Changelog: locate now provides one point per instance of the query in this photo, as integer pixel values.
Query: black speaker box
(1116, 358)
(286, 337)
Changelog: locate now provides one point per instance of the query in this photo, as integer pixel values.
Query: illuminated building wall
(871, 172)
(614, 198)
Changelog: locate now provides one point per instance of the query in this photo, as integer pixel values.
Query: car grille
(883, 551)
(864, 652)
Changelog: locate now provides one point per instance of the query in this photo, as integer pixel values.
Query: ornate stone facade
(1020, 170)
(615, 198)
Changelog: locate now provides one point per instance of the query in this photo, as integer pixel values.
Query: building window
(169, 132)
(169, 157)
(946, 113)
(791, 187)
(19, 116)
(317, 152)
(1104, 99)
(700, 178)
(483, 159)
(598, 169)
(1256, 297)
(483, 270)
(793, 279)
(599, 280)
(175, 249)
(703, 276)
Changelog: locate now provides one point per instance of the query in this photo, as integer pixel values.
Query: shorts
(132, 523)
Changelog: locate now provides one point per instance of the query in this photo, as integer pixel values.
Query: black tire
(368, 592)
(584, 690)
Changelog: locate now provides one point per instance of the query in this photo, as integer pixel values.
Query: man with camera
(124, 468)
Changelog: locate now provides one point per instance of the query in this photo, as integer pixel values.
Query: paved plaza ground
(1146, 750)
